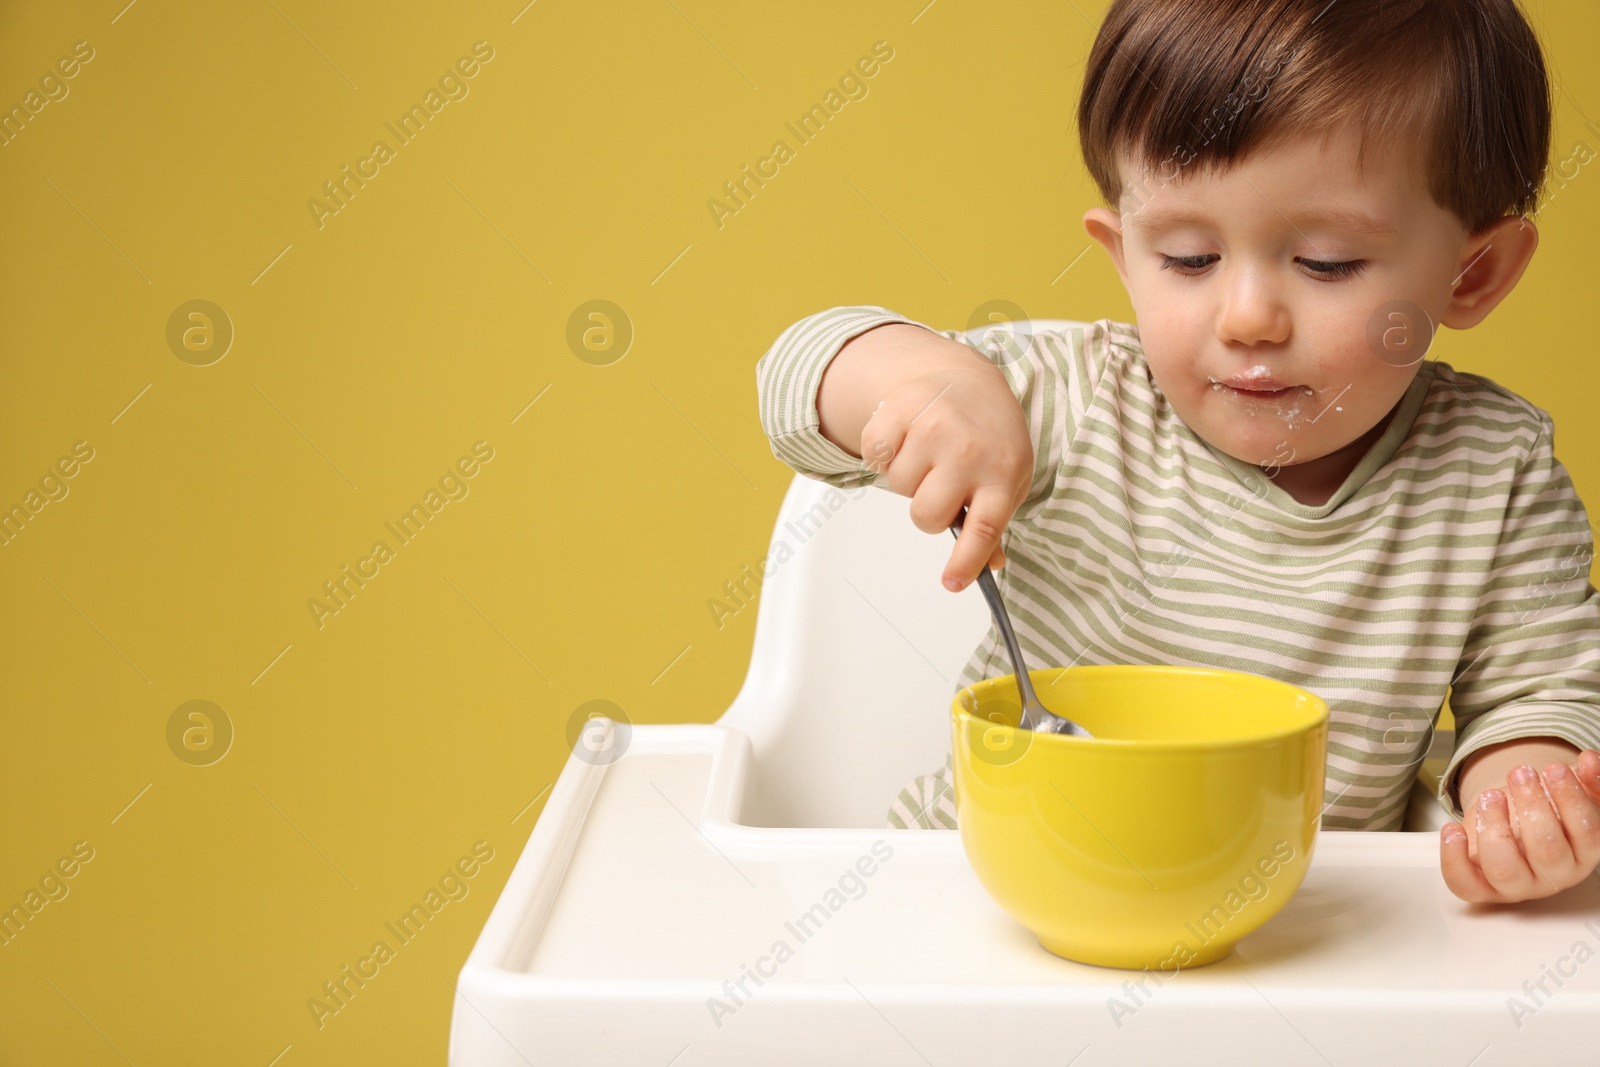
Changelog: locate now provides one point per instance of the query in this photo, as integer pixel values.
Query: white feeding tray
(748, 851)
(641, 904)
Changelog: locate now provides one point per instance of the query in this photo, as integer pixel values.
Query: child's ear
(1105, 226)
(1492, 261)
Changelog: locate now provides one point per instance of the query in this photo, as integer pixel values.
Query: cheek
(1173, 351)
(1171, 331)
(1366, 343)
(1366, 380)
(1169, 375)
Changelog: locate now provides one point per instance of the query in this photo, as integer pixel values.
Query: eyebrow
(1153, 218)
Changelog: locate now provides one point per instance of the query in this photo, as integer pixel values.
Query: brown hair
(1175, 83)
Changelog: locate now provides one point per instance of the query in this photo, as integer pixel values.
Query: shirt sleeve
(1052, 373)
(1531, 663)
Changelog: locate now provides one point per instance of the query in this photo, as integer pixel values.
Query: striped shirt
(1453, 561)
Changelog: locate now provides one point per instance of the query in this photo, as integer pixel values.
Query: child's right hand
(945, 430)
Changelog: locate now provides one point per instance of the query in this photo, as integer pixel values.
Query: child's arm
(938, 420)
(857, 395)
(1528, 695)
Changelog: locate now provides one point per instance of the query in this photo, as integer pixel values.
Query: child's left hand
(1527, 848)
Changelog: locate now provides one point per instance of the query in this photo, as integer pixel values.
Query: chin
(1269, 447)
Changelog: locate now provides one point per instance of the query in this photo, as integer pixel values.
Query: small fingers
(1543, 839)
(980, 535)
(1461, 875)
(1500, 856)
(1588, 771)
(937, 501)
(1580, 815)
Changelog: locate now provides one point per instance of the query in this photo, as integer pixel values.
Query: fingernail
(1558, 772)
(1453, 833)
(1487, 798)
(953, 584)
(1523, 775)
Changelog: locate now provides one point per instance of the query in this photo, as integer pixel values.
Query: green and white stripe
(1456, 554)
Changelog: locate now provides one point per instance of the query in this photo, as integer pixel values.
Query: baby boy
(1267, 473)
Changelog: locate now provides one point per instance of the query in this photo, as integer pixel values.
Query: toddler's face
(1262, 276)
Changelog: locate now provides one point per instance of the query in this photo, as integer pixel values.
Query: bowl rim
(959, 713)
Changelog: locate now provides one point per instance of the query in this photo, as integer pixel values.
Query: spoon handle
(997, 608)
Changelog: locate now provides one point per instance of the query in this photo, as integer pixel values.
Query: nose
(1252, 312)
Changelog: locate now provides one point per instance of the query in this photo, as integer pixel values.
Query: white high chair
(857, 649)
(663, 866)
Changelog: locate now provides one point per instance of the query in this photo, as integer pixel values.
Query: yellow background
(371, 353)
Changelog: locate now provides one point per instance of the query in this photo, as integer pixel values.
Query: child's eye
(1347, 269)
(1188, 264)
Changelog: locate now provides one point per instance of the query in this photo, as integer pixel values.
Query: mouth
(1263, 394)
(1259, 388)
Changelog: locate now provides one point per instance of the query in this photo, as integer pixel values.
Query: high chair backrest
(857, 652)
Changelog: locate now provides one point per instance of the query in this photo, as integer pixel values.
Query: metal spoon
(1035, 716)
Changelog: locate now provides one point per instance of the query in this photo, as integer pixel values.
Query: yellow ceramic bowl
(1184, 824)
